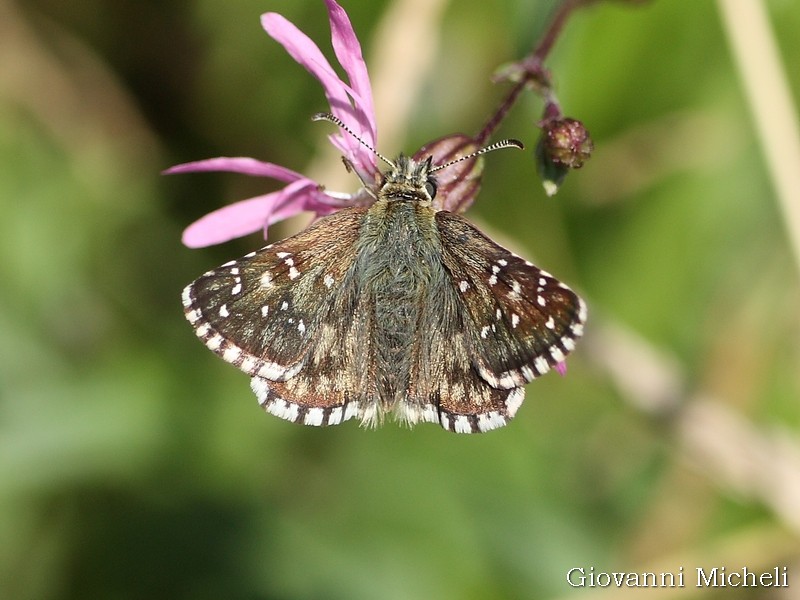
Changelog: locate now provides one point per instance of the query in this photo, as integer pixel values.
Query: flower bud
(564, 144)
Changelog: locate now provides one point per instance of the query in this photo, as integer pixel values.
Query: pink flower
(350, 100)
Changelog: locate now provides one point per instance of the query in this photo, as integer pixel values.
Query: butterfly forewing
(263, 312)
(522, 321)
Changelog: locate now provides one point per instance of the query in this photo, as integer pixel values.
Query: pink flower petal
(247, 216)
(561, 368)
(348, 52)
(246, 166)
(352, 102)
(309, 203)
(303, 50)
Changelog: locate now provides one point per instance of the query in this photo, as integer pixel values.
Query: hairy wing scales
(337, 380)
(522, 320)
(445, 387)
(264, 312)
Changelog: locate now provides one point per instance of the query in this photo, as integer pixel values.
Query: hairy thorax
(396, 273)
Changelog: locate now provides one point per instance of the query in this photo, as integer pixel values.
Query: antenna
(341, 124)
(510, 143)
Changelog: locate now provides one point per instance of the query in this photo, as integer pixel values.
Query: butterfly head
(408, 179)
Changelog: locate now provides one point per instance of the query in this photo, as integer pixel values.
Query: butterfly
(392, 309)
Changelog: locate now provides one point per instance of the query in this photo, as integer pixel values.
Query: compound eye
(430, 187)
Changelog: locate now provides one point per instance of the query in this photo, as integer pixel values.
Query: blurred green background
(135, 464)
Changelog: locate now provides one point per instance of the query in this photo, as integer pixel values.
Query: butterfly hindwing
(521, 320)
(444, 386)
(337, 380)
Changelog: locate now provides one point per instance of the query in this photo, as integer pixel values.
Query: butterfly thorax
(398, 255)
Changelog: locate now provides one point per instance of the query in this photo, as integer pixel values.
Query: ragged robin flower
(350, 101)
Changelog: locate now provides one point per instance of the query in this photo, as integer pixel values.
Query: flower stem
(530, 72)
(556, 25)
(494, 121)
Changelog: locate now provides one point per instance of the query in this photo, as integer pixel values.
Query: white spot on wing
(186, 296)
(248, 364)
(285, 410)
(214, 342)
(556, 353)
(461, 424)
(284, 305)
(328, 280)
(541, 365)
(314, 416)
(582, 310)
(514, 400)
(445, 421)
(490, 420)
(429, 414)
(335, 416)
(260, 389)
(351, 410)
(463, 286)
(514, 320)
(266, 279)
(293, 273)
(231, 354)
(223, 311)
